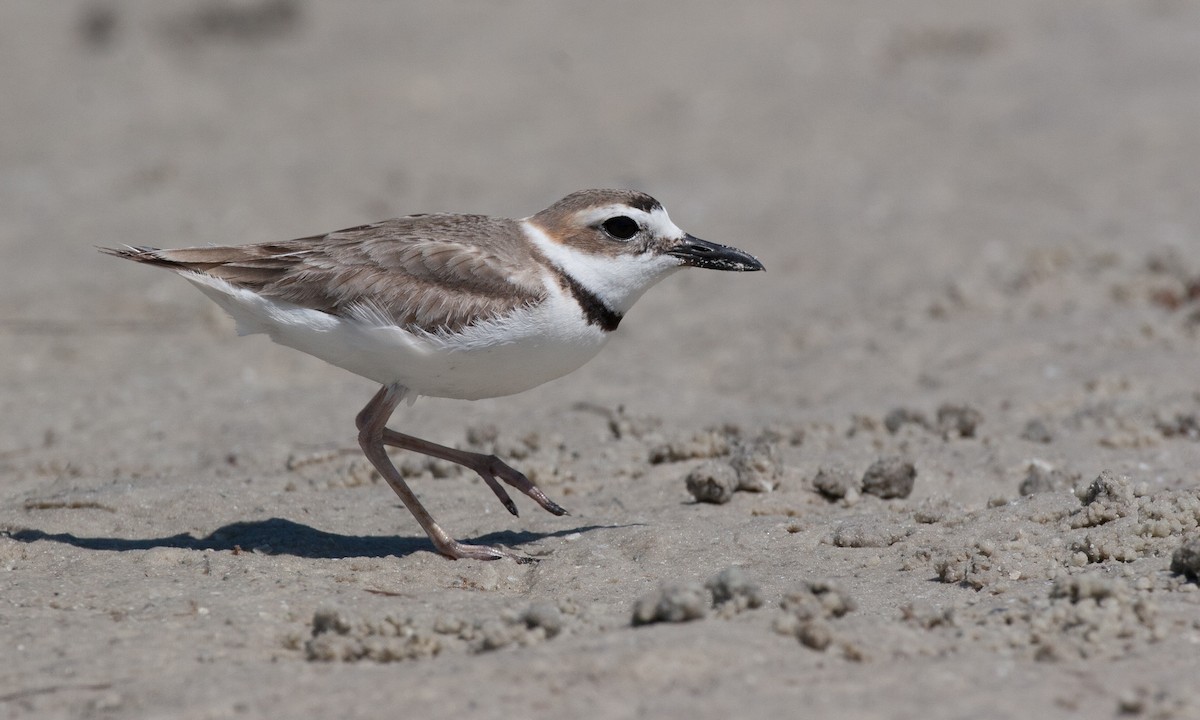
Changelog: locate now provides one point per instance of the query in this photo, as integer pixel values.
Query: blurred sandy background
(984, 208)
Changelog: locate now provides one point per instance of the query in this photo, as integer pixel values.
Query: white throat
(617, 281)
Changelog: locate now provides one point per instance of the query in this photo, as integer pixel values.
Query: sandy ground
(980, 223)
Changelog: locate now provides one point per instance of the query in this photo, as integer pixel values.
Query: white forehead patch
(660, 224)
(657, 222)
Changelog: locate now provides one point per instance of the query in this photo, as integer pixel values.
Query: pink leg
(373, 435)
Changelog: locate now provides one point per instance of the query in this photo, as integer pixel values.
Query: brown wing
(427, 271)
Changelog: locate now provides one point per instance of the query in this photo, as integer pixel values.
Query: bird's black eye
(622, 227)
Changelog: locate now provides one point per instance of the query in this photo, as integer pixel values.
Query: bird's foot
(493, 470)
(456, 550)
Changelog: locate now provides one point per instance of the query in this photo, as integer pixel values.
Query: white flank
(488, 359)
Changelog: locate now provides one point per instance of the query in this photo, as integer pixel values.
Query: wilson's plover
(453, 306)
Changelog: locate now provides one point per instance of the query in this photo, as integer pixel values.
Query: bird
(452, 306)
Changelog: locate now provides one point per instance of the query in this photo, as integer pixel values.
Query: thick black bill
(704, 254)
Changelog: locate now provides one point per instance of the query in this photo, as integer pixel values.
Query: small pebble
(544, 615)
(1043, 478)
(713, 482)
(958, 420)
(730, 586)
(890, 477)
(899, 417)
(1186, 559)
(815, 634)
(1108, 486)
(1036, 431)
(835, 482)
(757, 465)
(672, 603)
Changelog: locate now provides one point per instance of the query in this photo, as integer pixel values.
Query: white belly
(499, 357)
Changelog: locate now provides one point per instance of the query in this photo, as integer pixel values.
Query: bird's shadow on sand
(278, 536)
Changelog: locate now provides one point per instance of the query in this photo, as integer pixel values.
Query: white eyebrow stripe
(597, 214)
(657, 222)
